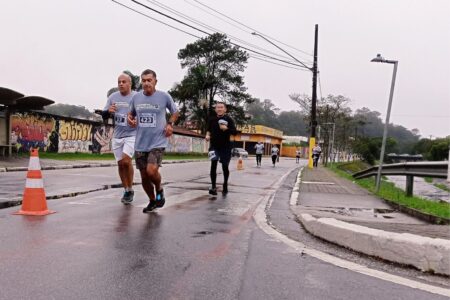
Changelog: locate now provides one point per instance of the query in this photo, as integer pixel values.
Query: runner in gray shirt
(259, 152)
(117, 107)
(148, 114)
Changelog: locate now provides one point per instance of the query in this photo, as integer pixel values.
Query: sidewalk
(341, 212)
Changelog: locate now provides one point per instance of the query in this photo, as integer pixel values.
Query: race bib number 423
(147, 120)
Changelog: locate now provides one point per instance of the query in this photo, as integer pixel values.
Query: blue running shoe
(160, 199)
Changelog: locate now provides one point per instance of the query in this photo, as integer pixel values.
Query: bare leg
(147, 185)
(126, 172)
(155, 177)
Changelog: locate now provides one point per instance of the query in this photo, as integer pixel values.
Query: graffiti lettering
(72, 130)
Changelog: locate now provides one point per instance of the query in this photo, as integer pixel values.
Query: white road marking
(319, 182)
(260, 217)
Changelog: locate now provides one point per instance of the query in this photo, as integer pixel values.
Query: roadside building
(250, 135)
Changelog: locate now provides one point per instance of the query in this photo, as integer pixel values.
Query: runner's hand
(168, 130)
(131, 120)
(112, 109)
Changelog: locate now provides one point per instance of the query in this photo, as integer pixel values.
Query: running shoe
(160, 199)
(213, 191)
(225, 190)
(127, 197)
(150, 207)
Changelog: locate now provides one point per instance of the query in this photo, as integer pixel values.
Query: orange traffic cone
(34, 202)
(240, 164)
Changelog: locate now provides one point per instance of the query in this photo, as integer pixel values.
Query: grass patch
(392, 193)
(110, 156)
(351, 167)
(442, 187)
(428, 179)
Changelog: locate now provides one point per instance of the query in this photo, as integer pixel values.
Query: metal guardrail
(433, 169)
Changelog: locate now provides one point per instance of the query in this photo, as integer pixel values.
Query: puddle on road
(362, 212)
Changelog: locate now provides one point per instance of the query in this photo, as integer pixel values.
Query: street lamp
(381, 59)
(313, 69)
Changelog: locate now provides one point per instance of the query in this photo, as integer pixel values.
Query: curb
(418, 214)
(425, 253)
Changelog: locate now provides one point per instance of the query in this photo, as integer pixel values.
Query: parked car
(236, 152)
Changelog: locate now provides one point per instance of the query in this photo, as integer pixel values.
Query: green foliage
(369, 148)
(428, 179)
(442, 187)
(435, 150)
(353, 166)
(214, 68)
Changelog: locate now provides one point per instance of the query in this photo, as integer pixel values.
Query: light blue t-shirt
(121, 127)
(259, 148)
(150, 112)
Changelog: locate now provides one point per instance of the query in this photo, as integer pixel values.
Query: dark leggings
(258, 158)
(213, 173)
(274, 158)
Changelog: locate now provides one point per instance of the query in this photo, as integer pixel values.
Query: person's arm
(131, 117)
(169, 126)
(168, 130)
(105, 112)
(231, 126)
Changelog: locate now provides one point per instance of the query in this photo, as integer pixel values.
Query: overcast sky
(72, 51)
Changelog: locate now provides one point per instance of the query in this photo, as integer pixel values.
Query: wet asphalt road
(197, 247)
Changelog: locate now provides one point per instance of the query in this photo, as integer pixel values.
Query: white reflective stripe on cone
(34, 183)
(34, 163)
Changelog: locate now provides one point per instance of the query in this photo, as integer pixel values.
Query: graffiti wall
(184, 144)
(52, 133)
(32, 130)
(74, 136)
(101, 139)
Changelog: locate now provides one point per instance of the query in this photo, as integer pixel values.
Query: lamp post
(313, 69)
(381, 59)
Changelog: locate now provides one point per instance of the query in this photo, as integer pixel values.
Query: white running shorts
(123, 145)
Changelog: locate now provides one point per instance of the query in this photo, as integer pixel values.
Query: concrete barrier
(424, 253)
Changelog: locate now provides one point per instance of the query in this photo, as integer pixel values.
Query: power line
(238, 22)
(191, 19)
(202, 31)
(274, 63)
(159, 21)
(255, 56)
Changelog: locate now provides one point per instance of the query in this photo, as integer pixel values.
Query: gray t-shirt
(150, 112)
(121, 127)
(275, 151)
(259, 148)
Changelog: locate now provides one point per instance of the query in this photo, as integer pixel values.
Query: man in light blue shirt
(148, 115)
(117, 107)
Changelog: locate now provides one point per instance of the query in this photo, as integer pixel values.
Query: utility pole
(312, 138)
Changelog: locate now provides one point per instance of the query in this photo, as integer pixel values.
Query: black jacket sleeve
(232, 126)
(105, 115)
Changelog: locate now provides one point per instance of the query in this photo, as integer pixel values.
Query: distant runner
(220, 128)
(117, 107)
(148, 113)
(275, 151)
(297, 155)
(259, 152)
(316, 151)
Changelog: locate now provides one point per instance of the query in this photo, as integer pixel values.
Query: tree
(135, 83)
(214, 72)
